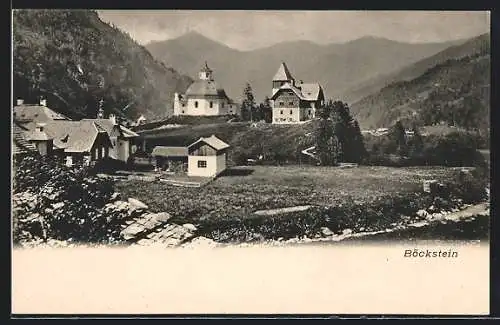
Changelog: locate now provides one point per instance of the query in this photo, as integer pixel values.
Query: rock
(325, 231)
(362, 229)
(422, 213)
(347, 231)
(189, 226)
(115, 196)
(57, 205)
(137, 203)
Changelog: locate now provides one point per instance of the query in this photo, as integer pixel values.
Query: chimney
(19, 102)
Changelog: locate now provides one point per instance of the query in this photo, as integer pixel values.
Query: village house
(207, 157)
(204, 97)
(294, 102)
(75, 142)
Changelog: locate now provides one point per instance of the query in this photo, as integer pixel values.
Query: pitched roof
(19, 142)
(310, 91)
(74, 136)
(36, 113)
(213, 142)
(163, 151)
(283, 73)
(292, 88)
(109, 127)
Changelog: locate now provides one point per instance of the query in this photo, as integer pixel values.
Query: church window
(211, 104)
(222, 105)
(281, 112)
(196, 104)
(291, 112)
(282, 104)
(309, 112)
(183, 105)
(290, 103)
(182, 112)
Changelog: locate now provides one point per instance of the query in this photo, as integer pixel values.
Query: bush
(52, 201)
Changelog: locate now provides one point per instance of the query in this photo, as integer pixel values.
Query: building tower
(282, 77)
(206, 73)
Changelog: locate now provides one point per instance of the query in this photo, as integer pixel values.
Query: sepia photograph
(311, 137)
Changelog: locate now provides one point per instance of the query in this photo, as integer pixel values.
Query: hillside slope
(337, 67)
(75, 59)
(456, 92)
(470, 47)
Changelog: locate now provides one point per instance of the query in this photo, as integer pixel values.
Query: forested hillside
(455, 92)
(74, 59)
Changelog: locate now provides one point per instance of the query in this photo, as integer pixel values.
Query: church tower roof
(206, 68)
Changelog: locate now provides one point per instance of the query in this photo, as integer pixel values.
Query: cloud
(252, 29)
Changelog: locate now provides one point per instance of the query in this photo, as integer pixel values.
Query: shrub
(52, 201)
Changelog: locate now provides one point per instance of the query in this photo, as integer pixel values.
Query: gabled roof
(310, 91)
(163, 151)
(19, 142)
(212, 141)
(290, 87)
(283, 73)
(74, 136)
(36, 113)
(109, 127)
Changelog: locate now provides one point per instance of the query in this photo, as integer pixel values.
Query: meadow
(242, 190)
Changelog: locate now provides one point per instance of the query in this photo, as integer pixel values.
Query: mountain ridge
(337, 66)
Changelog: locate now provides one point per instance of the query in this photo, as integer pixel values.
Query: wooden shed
(207, 157)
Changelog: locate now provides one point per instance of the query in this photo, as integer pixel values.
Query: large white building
(204, 98)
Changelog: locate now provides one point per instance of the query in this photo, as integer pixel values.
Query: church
(294, 101)
(204, 97)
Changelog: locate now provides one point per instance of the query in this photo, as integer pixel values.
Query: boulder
(189, 226)
(347, 231)
(325, 231)
(137, 203)
(422, 213)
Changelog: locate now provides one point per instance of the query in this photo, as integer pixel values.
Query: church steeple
(205, 73)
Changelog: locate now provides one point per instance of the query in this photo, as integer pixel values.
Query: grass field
(244, 190)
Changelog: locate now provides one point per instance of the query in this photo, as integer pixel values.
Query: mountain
(452, 86)
(74, 59)
(338, 67)
(370, 86)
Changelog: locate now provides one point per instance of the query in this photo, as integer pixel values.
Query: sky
(247, 30)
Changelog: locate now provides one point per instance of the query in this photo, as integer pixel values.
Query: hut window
(211, 105)
(202, 164)
(196, 104)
